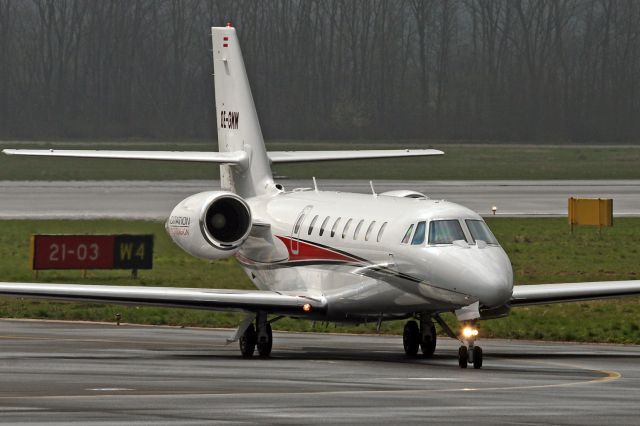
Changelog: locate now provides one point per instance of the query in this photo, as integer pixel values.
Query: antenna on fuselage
(373, 191)
(315, 184)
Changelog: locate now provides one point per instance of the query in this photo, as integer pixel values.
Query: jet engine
(210, 225)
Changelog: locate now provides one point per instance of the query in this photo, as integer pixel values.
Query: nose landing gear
(469, 353)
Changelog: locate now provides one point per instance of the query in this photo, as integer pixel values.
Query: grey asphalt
(97, 374)
(155, 199)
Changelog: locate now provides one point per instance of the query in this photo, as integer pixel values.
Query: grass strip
(541, 251)
(461, 161)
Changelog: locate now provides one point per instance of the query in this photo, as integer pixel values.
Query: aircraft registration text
(229, 119)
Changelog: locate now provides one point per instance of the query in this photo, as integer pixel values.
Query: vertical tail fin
(238, 126)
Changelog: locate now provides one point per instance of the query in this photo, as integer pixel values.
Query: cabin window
(369, 229)
(357, 231)
(381, 231)
(480, 231)
(335, 227)
(346, 228)
(324, 225)
(445, 231)
(313, 222)
(418, 237)
(298, 223)
(407, 235)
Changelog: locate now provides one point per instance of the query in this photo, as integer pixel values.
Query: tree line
(506, 70)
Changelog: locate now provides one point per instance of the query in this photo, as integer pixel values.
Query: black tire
(477, 357)
(248, 342)
(264, 347)
(428, 343)
(411, 338)
(463, 357)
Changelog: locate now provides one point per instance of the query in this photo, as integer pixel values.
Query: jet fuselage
(357, 252)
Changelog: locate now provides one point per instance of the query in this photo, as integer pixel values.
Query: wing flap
(304, 156)
(572, 292)
(198, 298)
(229, 158)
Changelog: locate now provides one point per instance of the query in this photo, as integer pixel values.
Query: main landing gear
(417, 337)
(259, 336)
(468, 352)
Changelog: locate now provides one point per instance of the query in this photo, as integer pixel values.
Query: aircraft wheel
(266, 343)
(428, 343)
(411, 338)
(477, 357)
(248, 342)
(463, 357)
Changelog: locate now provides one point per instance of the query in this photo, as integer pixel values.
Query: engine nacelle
(210, 225)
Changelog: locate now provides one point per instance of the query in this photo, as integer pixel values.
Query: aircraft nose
(483, 273)
(495, 283)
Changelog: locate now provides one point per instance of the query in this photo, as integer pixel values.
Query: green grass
(544, 251)
(480, 161)
(541, 250)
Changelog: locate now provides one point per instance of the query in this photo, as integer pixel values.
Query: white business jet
(324, 256)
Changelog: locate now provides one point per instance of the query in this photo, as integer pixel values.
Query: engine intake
(227, 222)
(210, 225)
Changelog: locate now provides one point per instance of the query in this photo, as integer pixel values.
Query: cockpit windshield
(445, 231)
(480, 231)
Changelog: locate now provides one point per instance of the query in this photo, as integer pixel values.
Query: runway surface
(155, 199)
(58, 373)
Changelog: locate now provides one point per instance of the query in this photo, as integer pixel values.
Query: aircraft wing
(572, 292)
(233, 158)
(303, 156)
(199, 298)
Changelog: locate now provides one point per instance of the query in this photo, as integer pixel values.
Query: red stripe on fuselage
(308, 251)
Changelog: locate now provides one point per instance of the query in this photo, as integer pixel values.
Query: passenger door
(297, 228)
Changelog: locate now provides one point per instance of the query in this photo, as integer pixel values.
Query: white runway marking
(110, 389)
(438, 379)
(19, 409)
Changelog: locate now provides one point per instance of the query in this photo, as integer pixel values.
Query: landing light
(469, 332)
(306, 307)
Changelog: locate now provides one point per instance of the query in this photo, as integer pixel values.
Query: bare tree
(7, 18)
(472, 69)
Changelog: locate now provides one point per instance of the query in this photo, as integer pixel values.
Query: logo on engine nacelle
(180, 221)
(179, 226)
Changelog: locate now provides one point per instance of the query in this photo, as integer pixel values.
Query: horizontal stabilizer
(199, 298)
(572, 292)
(227, 158)
(231, 158)
(303, 156)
